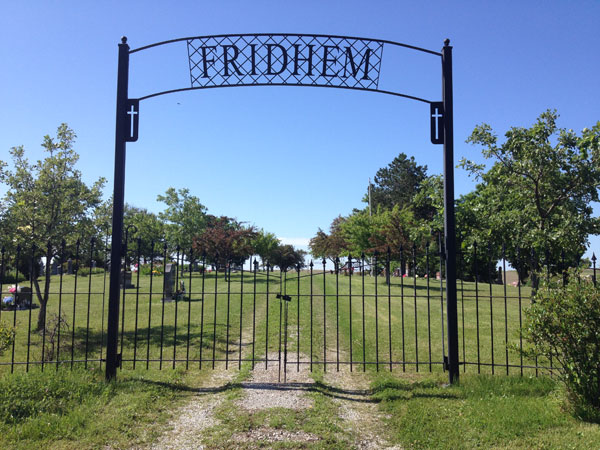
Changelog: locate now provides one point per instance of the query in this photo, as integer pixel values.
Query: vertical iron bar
(118, 207)
(87, 325)
(280, 323)
(267, 322)
(60, 286)
(241, 313)
(228, 273)
(476, 302)
(324, 320)
(311, 315)
(489, 264)
(449, 219)
(150, 305)
(428, 303)
(74, 303)
(189, 317)
(48, 252)
(255, 267)
(31, 275)
(214, 348)
(389, 280)
(103, 297)
(375, 262)
(202, 312)
(162, 314)
(462, 303)
(15, 297)
(125, 267)
(441, 255)
(337, 313)
(364, 351)
(414, 268)
(505, 306)
(298, 323)
(137, 301)
(594, 267)
(402, 273)
(520, 312)
(177, 293)
(350, 270)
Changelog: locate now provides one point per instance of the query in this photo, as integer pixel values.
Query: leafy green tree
(537, 195)
(46, 202)
(286, 257)
(184, 217)
(148, 229)
(332, 245)
(264, 244)
(398, 183)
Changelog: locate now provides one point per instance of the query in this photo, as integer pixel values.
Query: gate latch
(446, 363)
(287, 298)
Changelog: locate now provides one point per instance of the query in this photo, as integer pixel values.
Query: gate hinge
(446, 363)
(120, 360)
(287, 298)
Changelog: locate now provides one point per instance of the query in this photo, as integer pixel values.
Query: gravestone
(69, 266)
(93, 264)
(23, 298)
(125, 280)
(54, 268)
(169, 283)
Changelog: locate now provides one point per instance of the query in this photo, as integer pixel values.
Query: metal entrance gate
(264, 59)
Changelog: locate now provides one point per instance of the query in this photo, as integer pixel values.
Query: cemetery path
(261, 412)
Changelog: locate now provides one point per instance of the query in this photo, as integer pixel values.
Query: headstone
(93, 264)
(125, 280)
(23, 298)
(54, 269)
(438, 276)
(169, 283)
(69, 266)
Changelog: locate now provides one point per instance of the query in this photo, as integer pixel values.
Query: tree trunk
(43, 298)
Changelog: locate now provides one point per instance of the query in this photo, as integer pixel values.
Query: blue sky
(287, 159)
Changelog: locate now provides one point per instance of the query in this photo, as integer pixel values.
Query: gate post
(118, 206)
(449, 219)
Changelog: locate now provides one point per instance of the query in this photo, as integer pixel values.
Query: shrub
(7, 335)
(564, 324)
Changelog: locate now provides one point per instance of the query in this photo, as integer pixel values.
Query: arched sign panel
(310, 60)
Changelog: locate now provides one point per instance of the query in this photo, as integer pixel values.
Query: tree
(537, 195)
(264, 244)
(47, 202)
(286, 257)
(398, 183)
(332, 245)
(148, 229)
(185, 217)
(224, 240)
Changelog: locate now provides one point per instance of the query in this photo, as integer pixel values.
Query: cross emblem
(437, 122)
(133, 117)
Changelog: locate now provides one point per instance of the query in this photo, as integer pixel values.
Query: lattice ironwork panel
(284, 59)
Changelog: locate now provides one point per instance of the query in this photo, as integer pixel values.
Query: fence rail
(379, 312)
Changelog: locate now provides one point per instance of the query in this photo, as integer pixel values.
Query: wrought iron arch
(284, 59)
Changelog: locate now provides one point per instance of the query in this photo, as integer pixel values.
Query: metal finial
(446, 42)
(123, 39)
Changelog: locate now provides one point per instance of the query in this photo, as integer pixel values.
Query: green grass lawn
(234, 318)
(68, 409)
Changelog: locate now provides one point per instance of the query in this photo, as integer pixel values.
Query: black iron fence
(370, 312)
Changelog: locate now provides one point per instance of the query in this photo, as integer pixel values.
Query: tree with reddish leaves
(224, 241)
